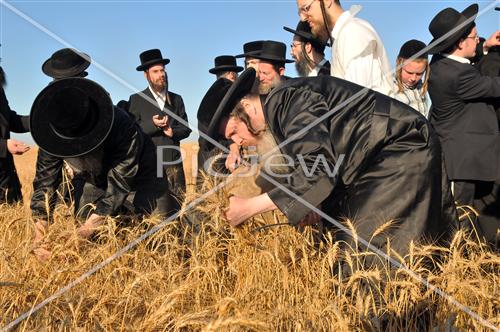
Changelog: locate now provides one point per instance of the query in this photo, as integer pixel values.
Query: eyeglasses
(295, 44)
(476, 37)
(305, 8)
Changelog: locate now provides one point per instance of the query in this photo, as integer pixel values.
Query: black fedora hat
(225, 63)
(211, 101)
(66, 63)
(273, 51)
(71, 117)
(412, 47)
(250, 49)
(150, 58)
(447, 20)
(303, 31)
(240, 88)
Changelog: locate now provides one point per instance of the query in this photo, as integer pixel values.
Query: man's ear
(245, 102)
(282, 71)
(308, 47)
(460, 44)
(146, 74)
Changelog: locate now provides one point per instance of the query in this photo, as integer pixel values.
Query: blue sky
(189, 33)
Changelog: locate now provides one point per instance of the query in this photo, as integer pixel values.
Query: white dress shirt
(316, 69)
(159, 97)
(358, 54)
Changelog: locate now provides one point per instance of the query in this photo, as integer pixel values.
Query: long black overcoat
(391, 169)
(10, 121)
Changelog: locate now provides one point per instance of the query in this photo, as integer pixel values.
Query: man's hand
(494, 40)
(312, 218)
(160, 122)
(16, 147)
(40, 250)
(238, 210)
(90, 226)
(233, 158)
(241, 209)
(168, 132)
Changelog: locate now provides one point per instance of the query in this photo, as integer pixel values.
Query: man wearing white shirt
(358, 54)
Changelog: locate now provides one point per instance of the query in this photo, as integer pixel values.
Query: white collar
(456, 58)
(343, 18)
(162, 95)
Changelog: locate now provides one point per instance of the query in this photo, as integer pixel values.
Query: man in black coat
(225, 67)
(73, 121)
(206, 111)
(153, 109)
(308, 52)
(10, 187)
(462, 113)
(389, 159)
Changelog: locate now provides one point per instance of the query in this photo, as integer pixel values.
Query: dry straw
(207, 276)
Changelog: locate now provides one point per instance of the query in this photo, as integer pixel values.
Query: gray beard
(270, 159)
(268, 150)
(264, 89)
(302, 68)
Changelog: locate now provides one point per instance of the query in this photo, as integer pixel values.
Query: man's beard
(302, 67)
(3, 78)
(265, 88)
(271, 161)
(158, 87)
(319, 31)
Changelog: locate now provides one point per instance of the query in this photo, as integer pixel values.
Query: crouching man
(391, 168)
(74, 120)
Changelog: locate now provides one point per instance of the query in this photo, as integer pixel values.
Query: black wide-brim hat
(303, 30)
(250, 49)
(273, 51)
(447, 20)
(66, 63)
(150, 58)
(225, 63)
(44, 129)
(239, 89)
(212, 99)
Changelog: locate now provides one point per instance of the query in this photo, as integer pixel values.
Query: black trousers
(484, 197)
(147, 197)
(176, 180)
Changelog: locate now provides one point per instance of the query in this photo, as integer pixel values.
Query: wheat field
(207, 276)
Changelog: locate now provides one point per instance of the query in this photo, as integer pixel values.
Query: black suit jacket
(325, 69)
(125, 160)
(143, 110)
(9, 121)
(489, 65)
(464, 119)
